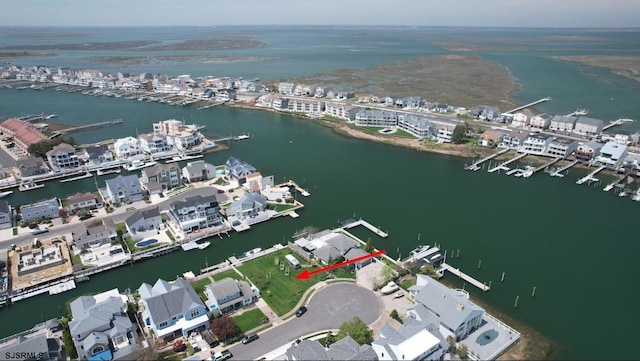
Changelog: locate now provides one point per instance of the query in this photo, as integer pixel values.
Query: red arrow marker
(304, 275)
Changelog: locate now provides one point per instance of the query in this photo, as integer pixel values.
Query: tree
(178, 346)
(69, 346)
(459, 135)
(224, 327)
(462, 351)
(368, 247)
(452, 343)
(357, 330)
(394, 314)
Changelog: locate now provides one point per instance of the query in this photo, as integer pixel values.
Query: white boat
(4, 194)
(416, 251)
(179, 158)
(108, 171)
(194, 245)
(40, 229)
(242, 137)
(83, 176)
(252, 252)
(138, 164)
(23, 187)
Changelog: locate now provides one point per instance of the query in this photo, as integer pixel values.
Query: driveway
(328, 309)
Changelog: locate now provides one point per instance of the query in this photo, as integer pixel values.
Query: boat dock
(590, 177)
(504, 164)
(350, 223)
(615, 182)
(465, 277)
(94, 125)
(558, 173)
(614, 123)
(528, 105)
(475, 166)
(544, 166)
(295, 185)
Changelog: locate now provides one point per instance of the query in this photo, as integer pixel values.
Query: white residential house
(198, 171)
(612, 154)
(85, 201)
(126, 147)
(280, 104)
(304, 105)
(47, 209)
(154, 143)
(520, 120)
(540, 121)
(247, 205)
(457, 315)
(97, 155)
(416, 125)
(123, 188)
(376, 118)
(562, 123)
(237, 169)
(414, 340)
(340, 110)
(172, 309)
(588, 126)
(513, 140)
(286, 88)
(536, 144)
(161, 177)
(63, 156)
(6, 215)
(141, 224)
(444, 133)
(225, 95)
(229, 294)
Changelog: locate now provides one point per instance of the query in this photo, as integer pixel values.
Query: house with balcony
(172, 309)
(588, 126)
(286, 88)
(410, 102)
(562, 147)
(196, 212)
(340, 110)
(161, 177)
(96, 155)
(123, 189)
(520, 120)
(30, 166)
(102, 233)
(126, 147)
(237, 169)
(417, 126)
(280, 104)
(82, 201)
(225, 95)
(47, 209)
(146, 223)
(100, 328)
(198, 171)
(154, 143)
(456, 314)
(6, 215)
(376, 118)
(513, 140)
(444, 133)
(588, 151)
(229, 294)
(63, 156)
(305, 105)
(612, 155)
(250, 204)
(540, 121)
(536, 144)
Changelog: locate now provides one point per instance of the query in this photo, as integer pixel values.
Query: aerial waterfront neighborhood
(167, 207)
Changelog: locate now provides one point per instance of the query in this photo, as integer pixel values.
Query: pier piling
(533, 293)
(479, 263)
(502, 279)
(515, 305)
(458, 254)
(490, 284)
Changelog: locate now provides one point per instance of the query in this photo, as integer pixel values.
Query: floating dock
(590, 177)
(475, 166)
(504, 164)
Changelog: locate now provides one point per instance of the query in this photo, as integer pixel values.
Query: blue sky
(494, 13)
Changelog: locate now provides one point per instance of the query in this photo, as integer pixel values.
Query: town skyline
(491, 13)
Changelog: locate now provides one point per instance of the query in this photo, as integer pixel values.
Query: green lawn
(406, 284)
(279, 291)
(279, 207)
(250, 320)
(229, 273)
(199, 285)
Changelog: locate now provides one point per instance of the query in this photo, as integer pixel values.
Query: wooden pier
(465, 277)
(475, 166)
(558, 173)
(544, 166)
(94, 125)
(615, 182)
(529, 105)
(504, 164)
(590, 176)
(361, 222)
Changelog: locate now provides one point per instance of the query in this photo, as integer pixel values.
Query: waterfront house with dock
(63, 156)
(562, 123)
(513, 140)
(141, 224)
(46, 209)
(536, 144)
(250, 204)
(491, 138)
(96, 155)
(103, 232)
(161, 177)
(172, 309)
(198, 171)
(414, 340)
(196, 212)
(588, 150)
(101, 329)
(588, 126)
(229, 294)
(561, 147)
(612, 155)
(126, 147)
(238, 170)
(30, 166)
(540, 121)
(417, 126)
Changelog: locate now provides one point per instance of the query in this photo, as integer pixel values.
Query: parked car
(398, 294)
(220, 356)
(301, 311)
(249, 338)
(40, 229)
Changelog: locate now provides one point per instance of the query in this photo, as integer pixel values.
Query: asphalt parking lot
(328, 309)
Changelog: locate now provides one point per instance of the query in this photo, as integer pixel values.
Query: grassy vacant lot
(280, 291)
(250, 320)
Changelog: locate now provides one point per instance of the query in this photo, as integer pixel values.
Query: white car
(40, 229)
(398, 294)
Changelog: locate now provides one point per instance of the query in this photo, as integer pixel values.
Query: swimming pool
(146, 243)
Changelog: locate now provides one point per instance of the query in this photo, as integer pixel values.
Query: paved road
(328, 308)
(119, 215)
